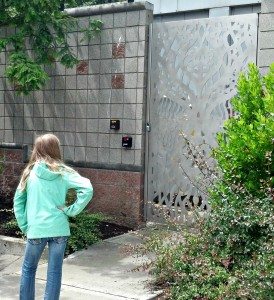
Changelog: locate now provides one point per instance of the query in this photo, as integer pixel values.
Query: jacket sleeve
(19, 206)
(84, 192)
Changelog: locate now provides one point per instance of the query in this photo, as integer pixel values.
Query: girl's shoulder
(66, 170)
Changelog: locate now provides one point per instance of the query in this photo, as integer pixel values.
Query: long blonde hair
(47, 149)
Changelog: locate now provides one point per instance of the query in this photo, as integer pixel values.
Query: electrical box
(127, 142)
(115, 124)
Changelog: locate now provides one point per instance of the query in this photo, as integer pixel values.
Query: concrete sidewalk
(102, 272)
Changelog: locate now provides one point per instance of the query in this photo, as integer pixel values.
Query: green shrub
(230, 256)
(247, 141)
(84, 227)
(11, 227)
(84, 231)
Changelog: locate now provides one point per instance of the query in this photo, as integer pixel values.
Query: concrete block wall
(266, 36)
(77, 105)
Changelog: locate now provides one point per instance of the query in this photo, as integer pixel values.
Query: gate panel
(193, 73)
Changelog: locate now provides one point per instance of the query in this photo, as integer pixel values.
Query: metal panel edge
(147, 121)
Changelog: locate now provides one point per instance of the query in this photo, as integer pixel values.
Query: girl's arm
(19, 206)
(84, 192)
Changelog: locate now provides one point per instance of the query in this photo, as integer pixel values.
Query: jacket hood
(42, 171)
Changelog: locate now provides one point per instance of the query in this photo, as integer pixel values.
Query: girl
(39, 207)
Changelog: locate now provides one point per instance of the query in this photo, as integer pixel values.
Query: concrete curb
(15, 246)
(11, 245)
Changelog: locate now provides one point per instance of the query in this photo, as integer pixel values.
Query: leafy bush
(247, 141)
(84, 227)
(230, 255)
(84, 231)
(10, 227)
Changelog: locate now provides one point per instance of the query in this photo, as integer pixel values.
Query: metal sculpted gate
(194, 66)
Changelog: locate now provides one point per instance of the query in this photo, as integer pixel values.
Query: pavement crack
(96, 291)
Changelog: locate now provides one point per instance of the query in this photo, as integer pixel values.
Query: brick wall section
(117, 194)
(11, 164)
(266, 36)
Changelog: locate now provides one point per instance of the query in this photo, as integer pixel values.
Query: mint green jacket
(36, 207)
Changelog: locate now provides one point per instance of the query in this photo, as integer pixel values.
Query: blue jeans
(33, 253)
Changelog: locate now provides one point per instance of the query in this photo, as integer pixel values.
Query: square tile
(120, 19)
(104, 111)
(107, 20)
(106, 51)
(92, 139)
(118, 50)
(70, 124)
(130, 80)
(92, 111)
(133, 18)
(91, 154)
(103, 140)
(80, 139)
(94, 66)
(80, 154)
(105, 66)
(93, 96)
(105, 96)
(131, 65)
(118, 81)
(115, 156)
(103, 155)
(82, 68)
(105, 81)
(82, 82)
(119, 35)
(116, 111)
(104, 126)
(94, 52)
(128, 156)
(106, 36)
(69, 138)
(81, 125)
(92, 125)
(130, 96)
(132, 34)
(93, 82)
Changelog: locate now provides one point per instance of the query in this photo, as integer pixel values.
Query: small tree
(245, 147)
